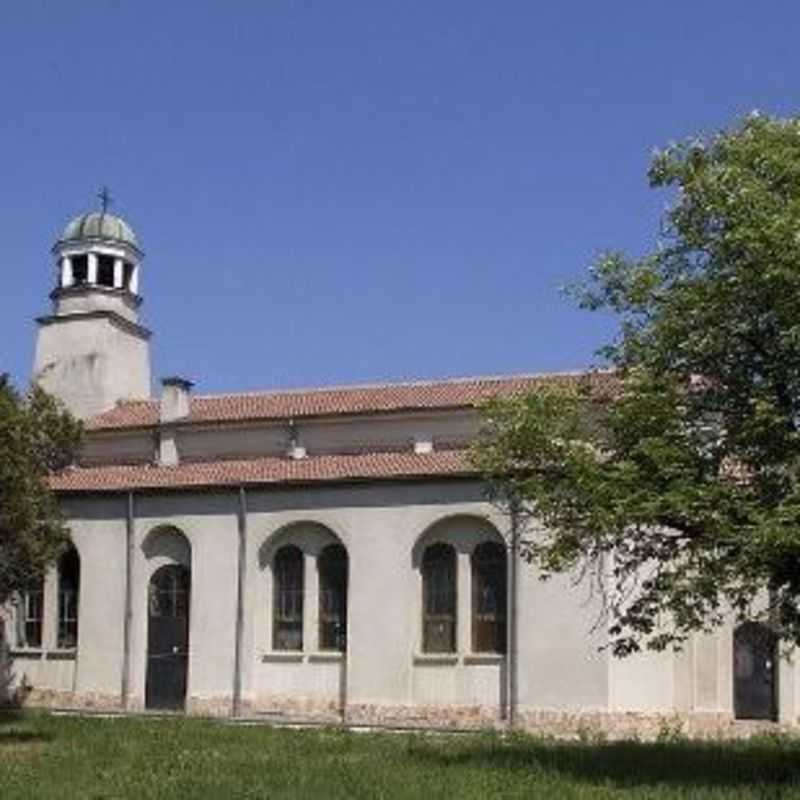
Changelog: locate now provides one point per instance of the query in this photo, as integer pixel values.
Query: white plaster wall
(98, 298)
(560, 664)
(323, 436)
(91, 363)
(382, 526)
(208, 522)
(248, 441)
(97, 529)
(136, 447)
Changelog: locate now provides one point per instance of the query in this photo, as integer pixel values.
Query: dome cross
(105, 198)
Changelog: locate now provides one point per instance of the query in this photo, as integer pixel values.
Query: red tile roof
(312, 469)
(419, 396)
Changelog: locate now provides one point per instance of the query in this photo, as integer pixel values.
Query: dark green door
(754, 667)
(168, 638)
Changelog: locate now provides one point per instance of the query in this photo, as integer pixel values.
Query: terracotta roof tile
(329, 468)
(462, 393)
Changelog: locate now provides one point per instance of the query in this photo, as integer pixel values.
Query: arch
(439, 598)
(755, 652)
(69, 586)
(166, 544)
(333, 568)
(309, 535)
(489, 562)
(463, 531)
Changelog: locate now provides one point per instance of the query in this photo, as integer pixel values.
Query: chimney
(175, 398)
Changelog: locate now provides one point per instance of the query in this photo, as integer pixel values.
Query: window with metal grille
(287, 605)
(29, 617)
(489, 598)
(439, 599)
(69, 584)
(332, 566)
(169, 592)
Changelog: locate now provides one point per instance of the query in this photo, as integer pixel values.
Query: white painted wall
(383, 527)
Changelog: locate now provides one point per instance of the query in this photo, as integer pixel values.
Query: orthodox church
(326, 554)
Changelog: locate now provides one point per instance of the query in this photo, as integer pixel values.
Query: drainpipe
(240, 574)
(128, 620)
(513, 624)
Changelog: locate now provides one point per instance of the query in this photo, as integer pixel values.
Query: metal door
(754, 667)
(168, 637)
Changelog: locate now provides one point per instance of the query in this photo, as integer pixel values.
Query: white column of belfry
(67, 278)
(118, 273)
(134, 287)
(91, 276)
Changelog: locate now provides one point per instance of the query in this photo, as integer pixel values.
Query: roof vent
(423, 443)
(296, 449)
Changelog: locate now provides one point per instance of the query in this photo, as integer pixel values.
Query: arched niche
(310, 536)
(463, 532)
(167, 544)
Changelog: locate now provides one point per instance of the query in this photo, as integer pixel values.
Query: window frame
(26, 620)
(284, 624)
(489, 633)
(332, 624)
(68, 601)
(432, 569)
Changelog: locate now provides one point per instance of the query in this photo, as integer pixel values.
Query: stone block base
(560, 724)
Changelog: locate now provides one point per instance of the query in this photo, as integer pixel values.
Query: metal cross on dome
(105, 198)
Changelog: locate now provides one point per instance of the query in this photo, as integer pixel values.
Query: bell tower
(91, 351)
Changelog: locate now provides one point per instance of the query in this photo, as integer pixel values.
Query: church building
(324, 555)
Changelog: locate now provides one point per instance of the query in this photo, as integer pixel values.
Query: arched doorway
(754, 671)
(168, 637)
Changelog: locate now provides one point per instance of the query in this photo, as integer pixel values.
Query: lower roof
(263, 471)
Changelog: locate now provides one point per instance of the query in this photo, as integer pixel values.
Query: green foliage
(37, 437)
(681, 493)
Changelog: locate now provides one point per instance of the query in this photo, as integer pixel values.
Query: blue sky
(336, 192)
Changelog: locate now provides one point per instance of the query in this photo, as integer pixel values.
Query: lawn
(65, 757)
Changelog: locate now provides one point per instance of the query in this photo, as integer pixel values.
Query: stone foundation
(54, 698)
(433, 717)
(315, 709)
(598, 725)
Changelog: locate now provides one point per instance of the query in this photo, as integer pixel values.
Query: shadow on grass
(16, 737)
(759, 762)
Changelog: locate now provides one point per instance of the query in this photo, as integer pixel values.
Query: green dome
(97, 225)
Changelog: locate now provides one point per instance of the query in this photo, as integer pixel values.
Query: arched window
(69, 586)
(439, 599)
(332, 565)
(169, 592)
(287, 605)
(489, 596)
(29, 615)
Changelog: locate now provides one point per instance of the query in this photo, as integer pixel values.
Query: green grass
(58, 757)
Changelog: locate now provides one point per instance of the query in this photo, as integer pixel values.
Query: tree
(680, 489)
(37, 437)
